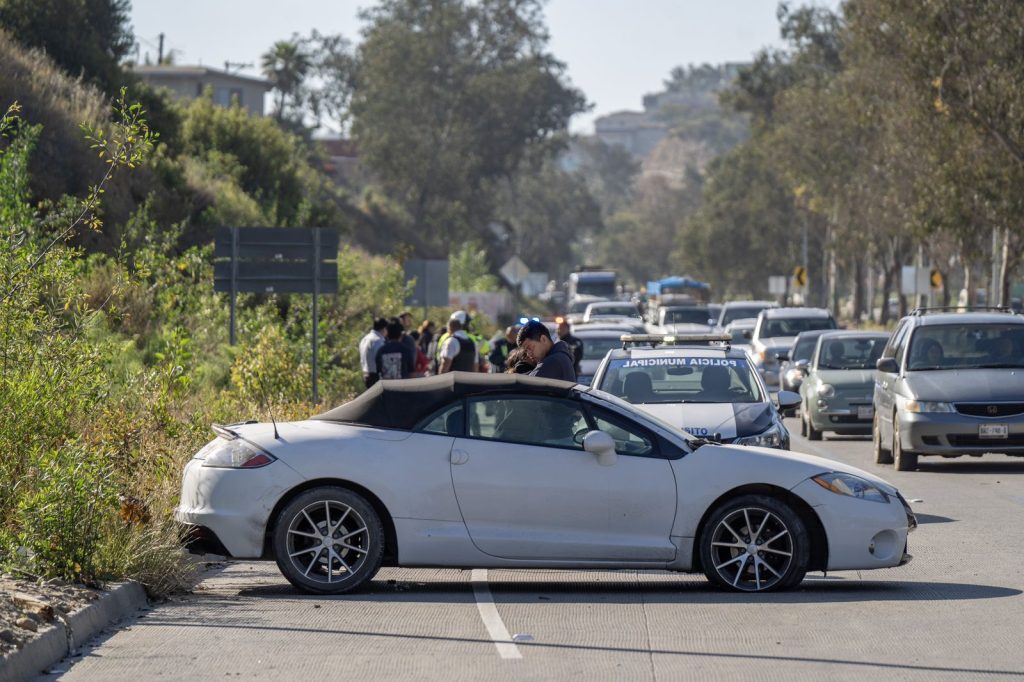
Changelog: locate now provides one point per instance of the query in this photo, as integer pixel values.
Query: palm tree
(286, 65)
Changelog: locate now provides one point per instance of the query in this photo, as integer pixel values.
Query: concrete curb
(56, 641)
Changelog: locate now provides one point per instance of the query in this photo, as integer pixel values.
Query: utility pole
(991, 298)
(160, 51)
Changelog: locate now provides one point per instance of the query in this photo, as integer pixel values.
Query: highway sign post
(277, 260)
(430, 283)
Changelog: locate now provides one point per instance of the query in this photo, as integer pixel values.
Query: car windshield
(739, 312)
(803, 349)
(682, 379)
(596, 347)
(966, 346)
(685, 316)
(791, 326)
(851, 353)
(622, 309)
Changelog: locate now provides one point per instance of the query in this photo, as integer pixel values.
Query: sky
(616, 51)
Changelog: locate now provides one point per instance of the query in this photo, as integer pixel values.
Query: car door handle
(460, 456)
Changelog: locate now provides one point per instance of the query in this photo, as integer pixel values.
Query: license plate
(865, 412)
(993, 431)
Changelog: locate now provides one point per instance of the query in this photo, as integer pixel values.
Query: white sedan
(474, 470)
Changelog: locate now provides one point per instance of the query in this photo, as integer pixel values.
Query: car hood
(967, 385)
(847, 377)
(729, 420)
(786, 467)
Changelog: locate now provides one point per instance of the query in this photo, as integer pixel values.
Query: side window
(629, 438)
(890, 347)
(450, 421)
(538, 421)
(901, 344)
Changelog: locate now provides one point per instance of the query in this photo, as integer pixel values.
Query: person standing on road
(426, 336)
(395, 359)
(575, 344)
(368, 347)
(554, 361)
(458, 353)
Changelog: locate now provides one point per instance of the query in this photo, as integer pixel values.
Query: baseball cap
(459, 316)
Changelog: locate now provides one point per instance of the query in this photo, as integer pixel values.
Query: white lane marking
(489, 615)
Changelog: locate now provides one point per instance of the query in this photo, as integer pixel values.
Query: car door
(528, 490)
(885, 382)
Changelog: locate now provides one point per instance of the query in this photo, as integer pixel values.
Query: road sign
(431, 282)
(935, 277)
(514, 270)
(777, 285)
(277, 260)
(800, 276)
(914, 281)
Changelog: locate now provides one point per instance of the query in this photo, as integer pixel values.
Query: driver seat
(714, 384)
(637, 388)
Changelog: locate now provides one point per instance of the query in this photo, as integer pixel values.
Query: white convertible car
(475, 470)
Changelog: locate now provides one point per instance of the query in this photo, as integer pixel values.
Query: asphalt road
(956, 612)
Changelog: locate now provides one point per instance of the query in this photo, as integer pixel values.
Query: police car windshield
(682, 379)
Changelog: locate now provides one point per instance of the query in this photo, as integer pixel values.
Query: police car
(699, 383)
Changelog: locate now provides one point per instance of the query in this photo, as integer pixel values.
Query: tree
(84, 37)
(449, 97)
(286, 64)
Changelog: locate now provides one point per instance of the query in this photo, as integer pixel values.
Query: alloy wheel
(752, 549)
(328, 542)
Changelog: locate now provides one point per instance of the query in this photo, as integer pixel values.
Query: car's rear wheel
(902, 460)
(754, 543)
(328, 540)
(882, 455)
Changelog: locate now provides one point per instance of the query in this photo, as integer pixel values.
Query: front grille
(990, 409)
(971, 441)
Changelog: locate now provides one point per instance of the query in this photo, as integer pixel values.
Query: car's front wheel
(328, 540)
(902, 460)
(882, 454)
(754, 543)
(812, 433)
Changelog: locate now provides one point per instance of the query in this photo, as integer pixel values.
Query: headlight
(826, 390)
(235, 454)
(852, 486)
(772, 438)
(925, 406)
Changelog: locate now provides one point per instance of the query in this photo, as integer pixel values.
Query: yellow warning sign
(800, 276)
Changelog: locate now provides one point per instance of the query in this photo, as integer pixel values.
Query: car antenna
(266, 404)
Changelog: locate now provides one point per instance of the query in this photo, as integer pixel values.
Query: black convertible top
(402, 404)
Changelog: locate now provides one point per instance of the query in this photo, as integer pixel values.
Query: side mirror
(601, 444)
(887, 365)
(747, 334)
(803, 364)
(782, 356)
(788, 400)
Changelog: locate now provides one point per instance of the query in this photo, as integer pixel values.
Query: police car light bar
(673, 339)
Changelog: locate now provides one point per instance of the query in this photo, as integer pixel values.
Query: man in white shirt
(368, 347)
(459, 352)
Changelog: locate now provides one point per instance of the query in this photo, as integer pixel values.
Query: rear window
(681, 379)
(739, 313)
(966, 346)
(625, 309)
(791, 326)
(686, 316)
(597, 348)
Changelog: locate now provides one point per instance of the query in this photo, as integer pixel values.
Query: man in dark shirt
(395, 359)
(575, 344)
(554, 361)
